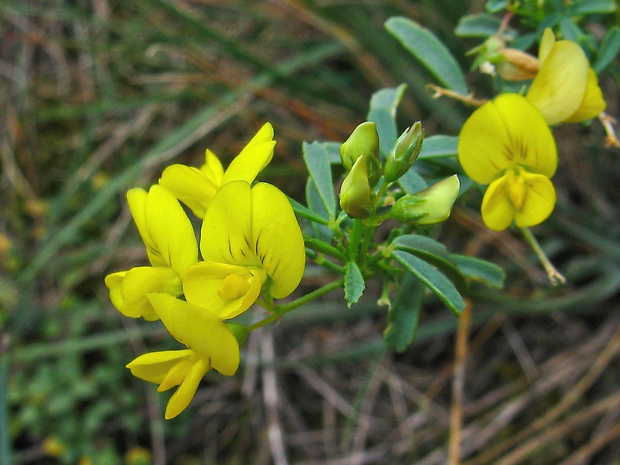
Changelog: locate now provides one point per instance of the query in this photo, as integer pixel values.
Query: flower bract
(507, 143)
(196, 187)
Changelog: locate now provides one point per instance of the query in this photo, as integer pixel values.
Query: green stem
(355, 238)
(282, 309)
(554, 275)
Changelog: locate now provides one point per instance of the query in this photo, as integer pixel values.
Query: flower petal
(226, 234)
(279, 243)
(558, 88)
(136, 199)
(501, 133)
(593, 103)
(143, 280)
(154, 366)
(497, 210)
(203, 282)
(171, 230)
(113, 283)
(212, 168)
(253, 158)
(546, 44)
(200, 330)
(185, 393)
(539, 200)
(191, 186)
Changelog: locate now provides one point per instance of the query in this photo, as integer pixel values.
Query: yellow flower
(251, 242)
(566, 88)
(211, 344)
(506, 143)
(170, 246)
(196, 187)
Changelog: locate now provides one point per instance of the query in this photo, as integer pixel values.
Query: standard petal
(497, 210)
(546, 44)
(136, 199)
(501, 133)
(113, 283)
(278, 240)
(212, 168)
(185, 393)
(253, 158)
(558, 88)
(171, 230)
(143, 280)
(203, 286)
(539, 200)
(191, 186)
(226, 234)
(154, 366)
(200, 330)
(593, 103)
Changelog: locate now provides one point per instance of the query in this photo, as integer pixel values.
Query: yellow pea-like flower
(251, 242)
(507, 144)
(565, 89)
(210, 344)
(170, 246)
(196, 187)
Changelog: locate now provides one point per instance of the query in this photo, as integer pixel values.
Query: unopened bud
(515, 65)
(430, 206)
(356, 195)
(364, 140)
(404, 153)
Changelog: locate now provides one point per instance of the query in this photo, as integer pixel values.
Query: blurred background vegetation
(97, 96)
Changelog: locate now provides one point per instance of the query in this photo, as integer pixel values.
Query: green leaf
(608, 50)
(412, 182)
(431, 251)
(439, 147)
(495, 6)
(480, 25)
(404, 313)
(480, 270)
(305, 212)
(318, 207)
(585, 7)
(382, 112)
(431, 278)
(427, 48)
(354, 284)
(317, 161)
(570, 31)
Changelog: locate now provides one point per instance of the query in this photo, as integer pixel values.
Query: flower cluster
(507, 143)
(250, 244)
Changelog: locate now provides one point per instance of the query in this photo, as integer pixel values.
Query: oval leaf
(480, 270)
(433, 279)
(427, 48)
(404, 313)
(354, 284)
(382, 112)
(319, 167)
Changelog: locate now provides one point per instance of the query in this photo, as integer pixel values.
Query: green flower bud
(404, 153)
(364, 140)
(430, 206)
(240, 332)
(356, 196)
